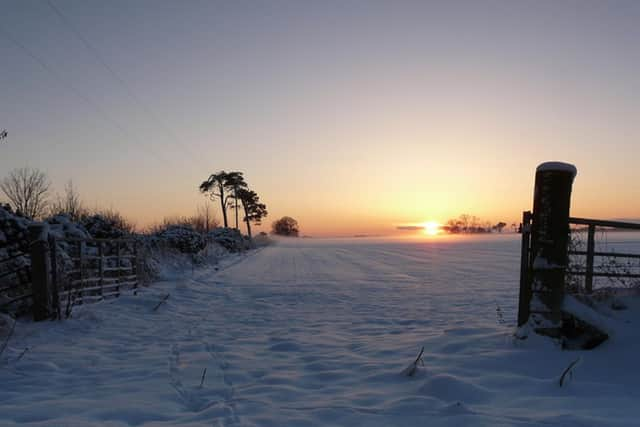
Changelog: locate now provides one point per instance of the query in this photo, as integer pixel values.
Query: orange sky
(350, 117)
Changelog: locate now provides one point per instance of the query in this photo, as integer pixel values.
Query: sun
(431, 228)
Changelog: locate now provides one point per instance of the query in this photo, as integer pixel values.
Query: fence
(94, 270)
(608, 267)
(66, 272)
(588, 270)
(549, 269)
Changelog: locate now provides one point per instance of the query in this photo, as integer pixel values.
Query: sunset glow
(351, 130)
(369, 212)
(431, 228)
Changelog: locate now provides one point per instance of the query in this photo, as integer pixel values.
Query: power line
(130, 92)
(70, 86)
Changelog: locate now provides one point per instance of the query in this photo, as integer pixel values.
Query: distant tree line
(29, 194)
(232, 192)
(471, 224)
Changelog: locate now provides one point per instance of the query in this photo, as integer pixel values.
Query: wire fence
(603, 255)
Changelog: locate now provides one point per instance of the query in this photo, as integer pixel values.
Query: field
(317, 332)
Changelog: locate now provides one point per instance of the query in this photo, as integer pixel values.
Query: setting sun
(431, 228)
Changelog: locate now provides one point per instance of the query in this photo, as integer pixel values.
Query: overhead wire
(74, 89)
(116, 76)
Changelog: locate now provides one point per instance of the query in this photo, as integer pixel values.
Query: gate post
(40, 272)
(524, 296)
(549, 245)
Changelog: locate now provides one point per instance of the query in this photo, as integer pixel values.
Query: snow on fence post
(41, 272)
(549, 245)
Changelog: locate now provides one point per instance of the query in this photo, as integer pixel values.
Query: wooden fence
(94, 270)
(84, 271)
(590, 269)
(548, 268)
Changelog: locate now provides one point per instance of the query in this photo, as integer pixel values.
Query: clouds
(410, 227)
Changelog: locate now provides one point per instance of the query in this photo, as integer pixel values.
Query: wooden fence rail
(86, 270)
(590, 270)
(99, 269)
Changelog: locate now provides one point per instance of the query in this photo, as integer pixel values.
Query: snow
(317, 332)
(542, 263)
(557, 166)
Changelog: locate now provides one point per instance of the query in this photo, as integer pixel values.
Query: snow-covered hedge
(159, 253)
(101, 227)
(14, 249)
(14, 233)
(230, 239)
(183, 238)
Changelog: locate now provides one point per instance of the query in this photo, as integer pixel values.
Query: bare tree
(205, 215)
(27, 189)
(70, 204)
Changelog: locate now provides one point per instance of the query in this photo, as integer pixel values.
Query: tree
(471, 224)
(215, 185)
(235, 182)
(70, 204)
(224, 186)
(205, 216)
(253, 209)
(500, 226)
(285, 226)
(27, 189)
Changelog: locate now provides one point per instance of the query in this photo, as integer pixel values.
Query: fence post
(101, 267)
(118, 272)
(525, 266)
(591, 247)
(135, 267)
(79, 295)
(53, 250)
(549, 245)
(40, 272)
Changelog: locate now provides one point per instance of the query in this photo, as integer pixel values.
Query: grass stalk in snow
(6, 341)
(413, 367)
(204, 373)
(568, 371)
(22, 354)
(499, 314)
(166, 297)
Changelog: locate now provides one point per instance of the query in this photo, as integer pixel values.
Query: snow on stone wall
(175, 245)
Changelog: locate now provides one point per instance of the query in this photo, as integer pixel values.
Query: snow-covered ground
(317, 332)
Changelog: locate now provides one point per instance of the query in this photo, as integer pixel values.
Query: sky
(353, 117)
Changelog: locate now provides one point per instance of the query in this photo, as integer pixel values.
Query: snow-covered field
(317, 332)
